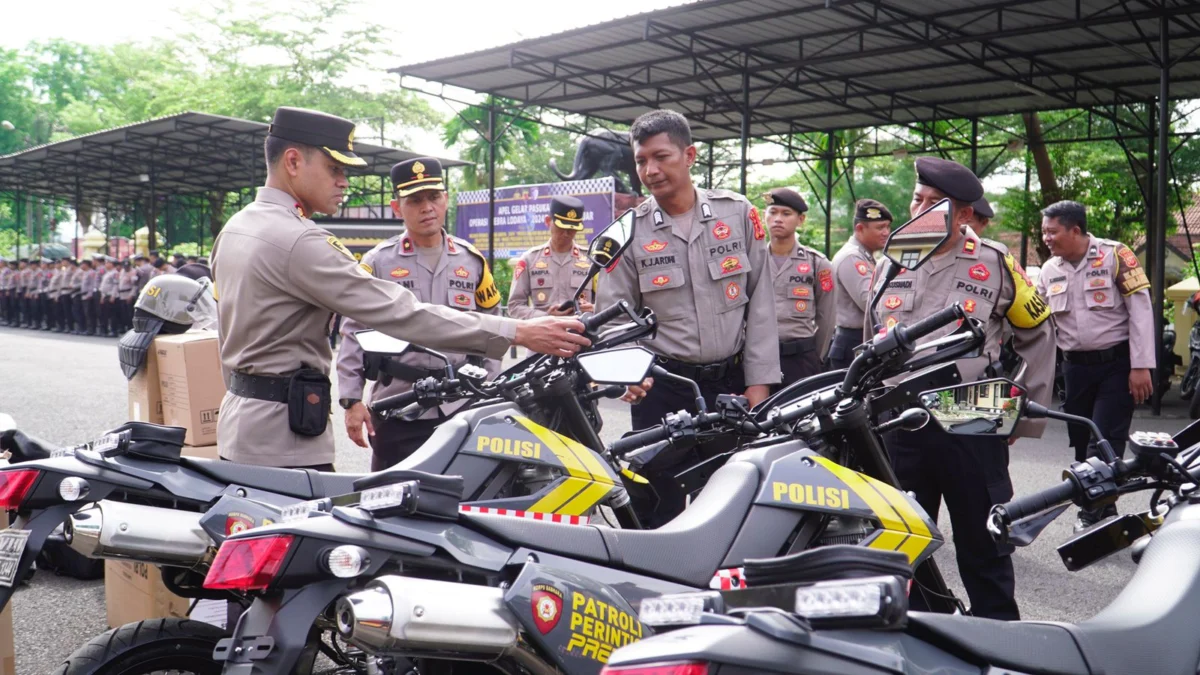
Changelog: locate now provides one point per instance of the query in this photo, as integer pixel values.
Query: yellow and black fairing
(509, 461)
(804, 494)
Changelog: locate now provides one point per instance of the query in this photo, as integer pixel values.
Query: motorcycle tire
(1194, 408)
(1187, 385)
(157, 645)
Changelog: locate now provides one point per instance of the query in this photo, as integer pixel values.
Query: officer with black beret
(802, 278)
(853, 266)
(970, 472)
(282, 278)
(982, 217)
(546, 276)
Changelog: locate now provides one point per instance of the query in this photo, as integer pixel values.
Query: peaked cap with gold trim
(567, 212)
(330, 133)
(416, 174)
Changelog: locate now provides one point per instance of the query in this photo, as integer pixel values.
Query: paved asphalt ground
(70, 389)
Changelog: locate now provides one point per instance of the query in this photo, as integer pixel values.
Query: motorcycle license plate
(12, 545)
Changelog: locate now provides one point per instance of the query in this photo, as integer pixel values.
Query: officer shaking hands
(281, 279)
(971, 473)
(803, 284)
(1104, 324)
(853, 266)
(546, 276)
(438, 269)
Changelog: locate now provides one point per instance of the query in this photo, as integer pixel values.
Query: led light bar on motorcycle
(15, 486)
(248, 564)
(302, 510)
(397, 498)
(876, 602)
(679, 609)
(681, 668)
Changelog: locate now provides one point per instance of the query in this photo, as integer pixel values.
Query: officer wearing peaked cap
(971, 473)
(698, 258)
(546, 276)
(982, 216)
(438, 269)
(853, 266)
(804, 293)
(282, 277)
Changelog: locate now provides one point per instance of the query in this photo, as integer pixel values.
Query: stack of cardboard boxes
(180, 385)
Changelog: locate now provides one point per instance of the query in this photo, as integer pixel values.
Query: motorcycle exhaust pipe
(395, 613)
(147, 534)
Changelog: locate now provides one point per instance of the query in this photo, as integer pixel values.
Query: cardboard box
(134, 591)
(203, 452)
(8, 654)
(189, 376)
(145, 397)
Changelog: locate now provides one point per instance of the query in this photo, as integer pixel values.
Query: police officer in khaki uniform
(438, 269)
(970, 472)
(281, 278)
(853, 266)
(24, 281)
(6, 284)
(698, 258)
(546, 276)
(1103, 320)
(110, 285)
(129, 285)
(803, 283)
(54, 279)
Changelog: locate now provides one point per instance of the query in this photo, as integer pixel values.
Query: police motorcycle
(447, 590)
(851, 617)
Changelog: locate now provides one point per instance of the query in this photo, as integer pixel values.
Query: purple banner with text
(521, 212)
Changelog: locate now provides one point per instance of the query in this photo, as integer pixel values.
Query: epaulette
(467, 245)
(992, 243)
(814, 252)
(722, 193)
(643, 208)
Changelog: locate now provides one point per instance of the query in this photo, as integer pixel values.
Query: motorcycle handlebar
(910, 334)
(395, 401)
(1037, 502)
(642, 438)
(591, 323)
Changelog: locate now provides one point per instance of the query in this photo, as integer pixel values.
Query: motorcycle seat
(299, 483)
(687, 550)
(1148, 628)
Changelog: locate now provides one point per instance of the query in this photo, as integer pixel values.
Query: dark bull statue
(607, 153)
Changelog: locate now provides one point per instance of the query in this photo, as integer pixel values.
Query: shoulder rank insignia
(340, 247)
(705, 211)
(1131, 278)
(759, 232)
(658, 217)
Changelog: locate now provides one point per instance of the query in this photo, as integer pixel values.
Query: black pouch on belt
(308, 402)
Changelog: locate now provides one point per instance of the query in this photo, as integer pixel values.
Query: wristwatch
(348, 403)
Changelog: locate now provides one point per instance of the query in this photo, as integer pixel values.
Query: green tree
(469, 130)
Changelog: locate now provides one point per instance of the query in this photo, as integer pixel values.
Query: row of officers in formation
(742, 308)
(82, 297)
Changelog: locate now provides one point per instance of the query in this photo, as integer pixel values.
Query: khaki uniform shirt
(804, 296)
(541, 280)
(91, 283)
(54, 283)
(853, 267)
(709, 285)
(22, 281)
(460, 280)
(6, 279)
(991, 286)
(1101, 302)
(145, 272)
(128, 284)
(77, 281)
(281, 278)
(109, 283)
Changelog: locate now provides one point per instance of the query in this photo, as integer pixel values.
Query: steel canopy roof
(185, 153)
(818, 65)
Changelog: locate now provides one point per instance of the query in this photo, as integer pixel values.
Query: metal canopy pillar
(491, 183)
(745, 128)
(830, 154)
(708, 184)
(975, 147)
(1159, 234)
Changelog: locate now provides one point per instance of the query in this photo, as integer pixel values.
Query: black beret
(869, 210)
(567, 212)
(983, 208)
(195, 271)
(414, 175)
(330, 133)
(950, 178)
(786, 197)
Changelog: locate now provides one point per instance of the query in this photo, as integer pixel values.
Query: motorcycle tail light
(15, 486)
(248, 564)
(680, 668)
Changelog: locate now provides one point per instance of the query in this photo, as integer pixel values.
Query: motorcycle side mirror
(606, 247)
(7, 423)
(912, 244)
(374, 342)
(627, 365)
(985, 408)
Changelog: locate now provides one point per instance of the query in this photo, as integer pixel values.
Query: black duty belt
(701, 372)
(797, 346)
(1097, 356)
(842, 330)
(262, 387)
